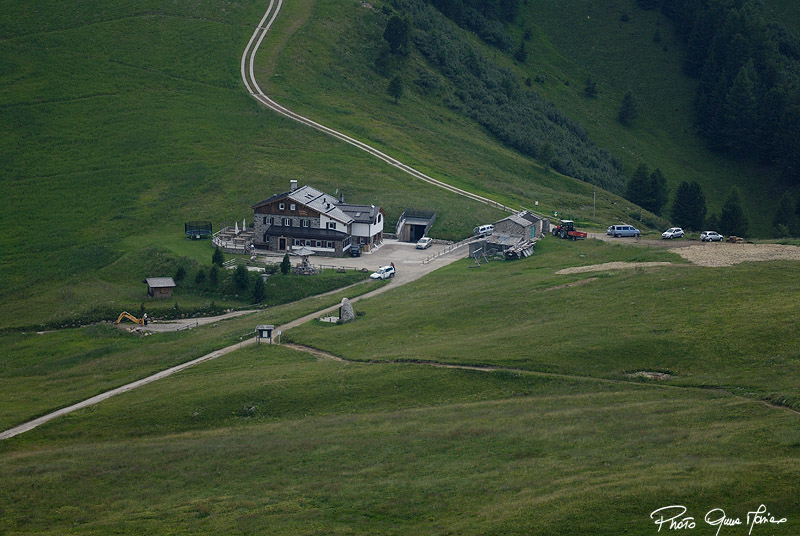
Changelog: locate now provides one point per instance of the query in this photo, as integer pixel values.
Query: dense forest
(495, 97)
(748, 99)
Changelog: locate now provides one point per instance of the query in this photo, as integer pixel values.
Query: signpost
(264, 331)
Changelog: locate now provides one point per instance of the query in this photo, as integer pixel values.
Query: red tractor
(567, 230)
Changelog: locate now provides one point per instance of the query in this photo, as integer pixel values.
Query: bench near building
(323, 223)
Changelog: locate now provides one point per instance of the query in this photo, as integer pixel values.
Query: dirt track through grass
(489, 368)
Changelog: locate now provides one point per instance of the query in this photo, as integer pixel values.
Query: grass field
(121, 121)
(47, 371)
(704, 327)
(272, 440)
(269, 440)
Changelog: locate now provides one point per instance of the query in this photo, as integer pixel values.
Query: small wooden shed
(160, 287)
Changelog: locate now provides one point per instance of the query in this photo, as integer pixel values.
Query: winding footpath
(250, 82)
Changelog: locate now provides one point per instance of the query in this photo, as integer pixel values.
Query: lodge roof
(315, 200)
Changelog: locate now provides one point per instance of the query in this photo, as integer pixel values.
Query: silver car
(673, 232)
(710, 236)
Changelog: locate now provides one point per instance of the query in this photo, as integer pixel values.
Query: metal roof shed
(160, 287)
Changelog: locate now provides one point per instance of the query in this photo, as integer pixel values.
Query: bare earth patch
(610, 266)
(715, 255)
(567, 285)
(650, 375)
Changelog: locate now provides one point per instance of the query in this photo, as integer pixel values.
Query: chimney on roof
(293, 184)
(341, 196)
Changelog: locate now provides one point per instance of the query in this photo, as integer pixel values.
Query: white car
(483, 230)
(384, 272)
(424, 242)
(710, 236)
(673, 232)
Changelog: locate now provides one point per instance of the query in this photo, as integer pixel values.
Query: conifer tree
(259, 291)
(639, 187)
(732, 219)
(213, 276)
(241, 278)
(397, 33)
(217, 258)
(395, 88)
(629, 110)
(658, 189)
(741, 110)
(689, 206)
(784, 223)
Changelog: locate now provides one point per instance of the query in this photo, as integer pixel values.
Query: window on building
(332, 225)
(264, 221)
(318, 243)
(292, 207)
(272, 221)
(308, 243)
(287, 222)
(379, 217)
(306, 223)
(281, 206)
(329, 244)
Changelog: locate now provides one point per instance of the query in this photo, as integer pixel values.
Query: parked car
(483, 230)
(355, 250)
(384, 272)
(424, 242)
(710, 236)
(673, 232)
(623, 230)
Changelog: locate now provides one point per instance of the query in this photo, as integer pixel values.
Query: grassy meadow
(121, 121)
(722, 328)
(47, 371)
(270, 440)
(559, 438)
(323, 71)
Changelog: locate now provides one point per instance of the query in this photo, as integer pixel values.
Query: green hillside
(506, 399)
(121, 122)
(621, 56)
(560, 436)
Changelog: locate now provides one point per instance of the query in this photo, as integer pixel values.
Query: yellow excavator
(125, 314)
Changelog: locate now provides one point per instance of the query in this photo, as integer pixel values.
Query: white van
(483, 230)
(623, 230)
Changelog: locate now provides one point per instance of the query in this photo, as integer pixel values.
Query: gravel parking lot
(714, 254)
(406, 257)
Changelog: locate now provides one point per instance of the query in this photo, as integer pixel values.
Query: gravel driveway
(406, 257)
(713, 254)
